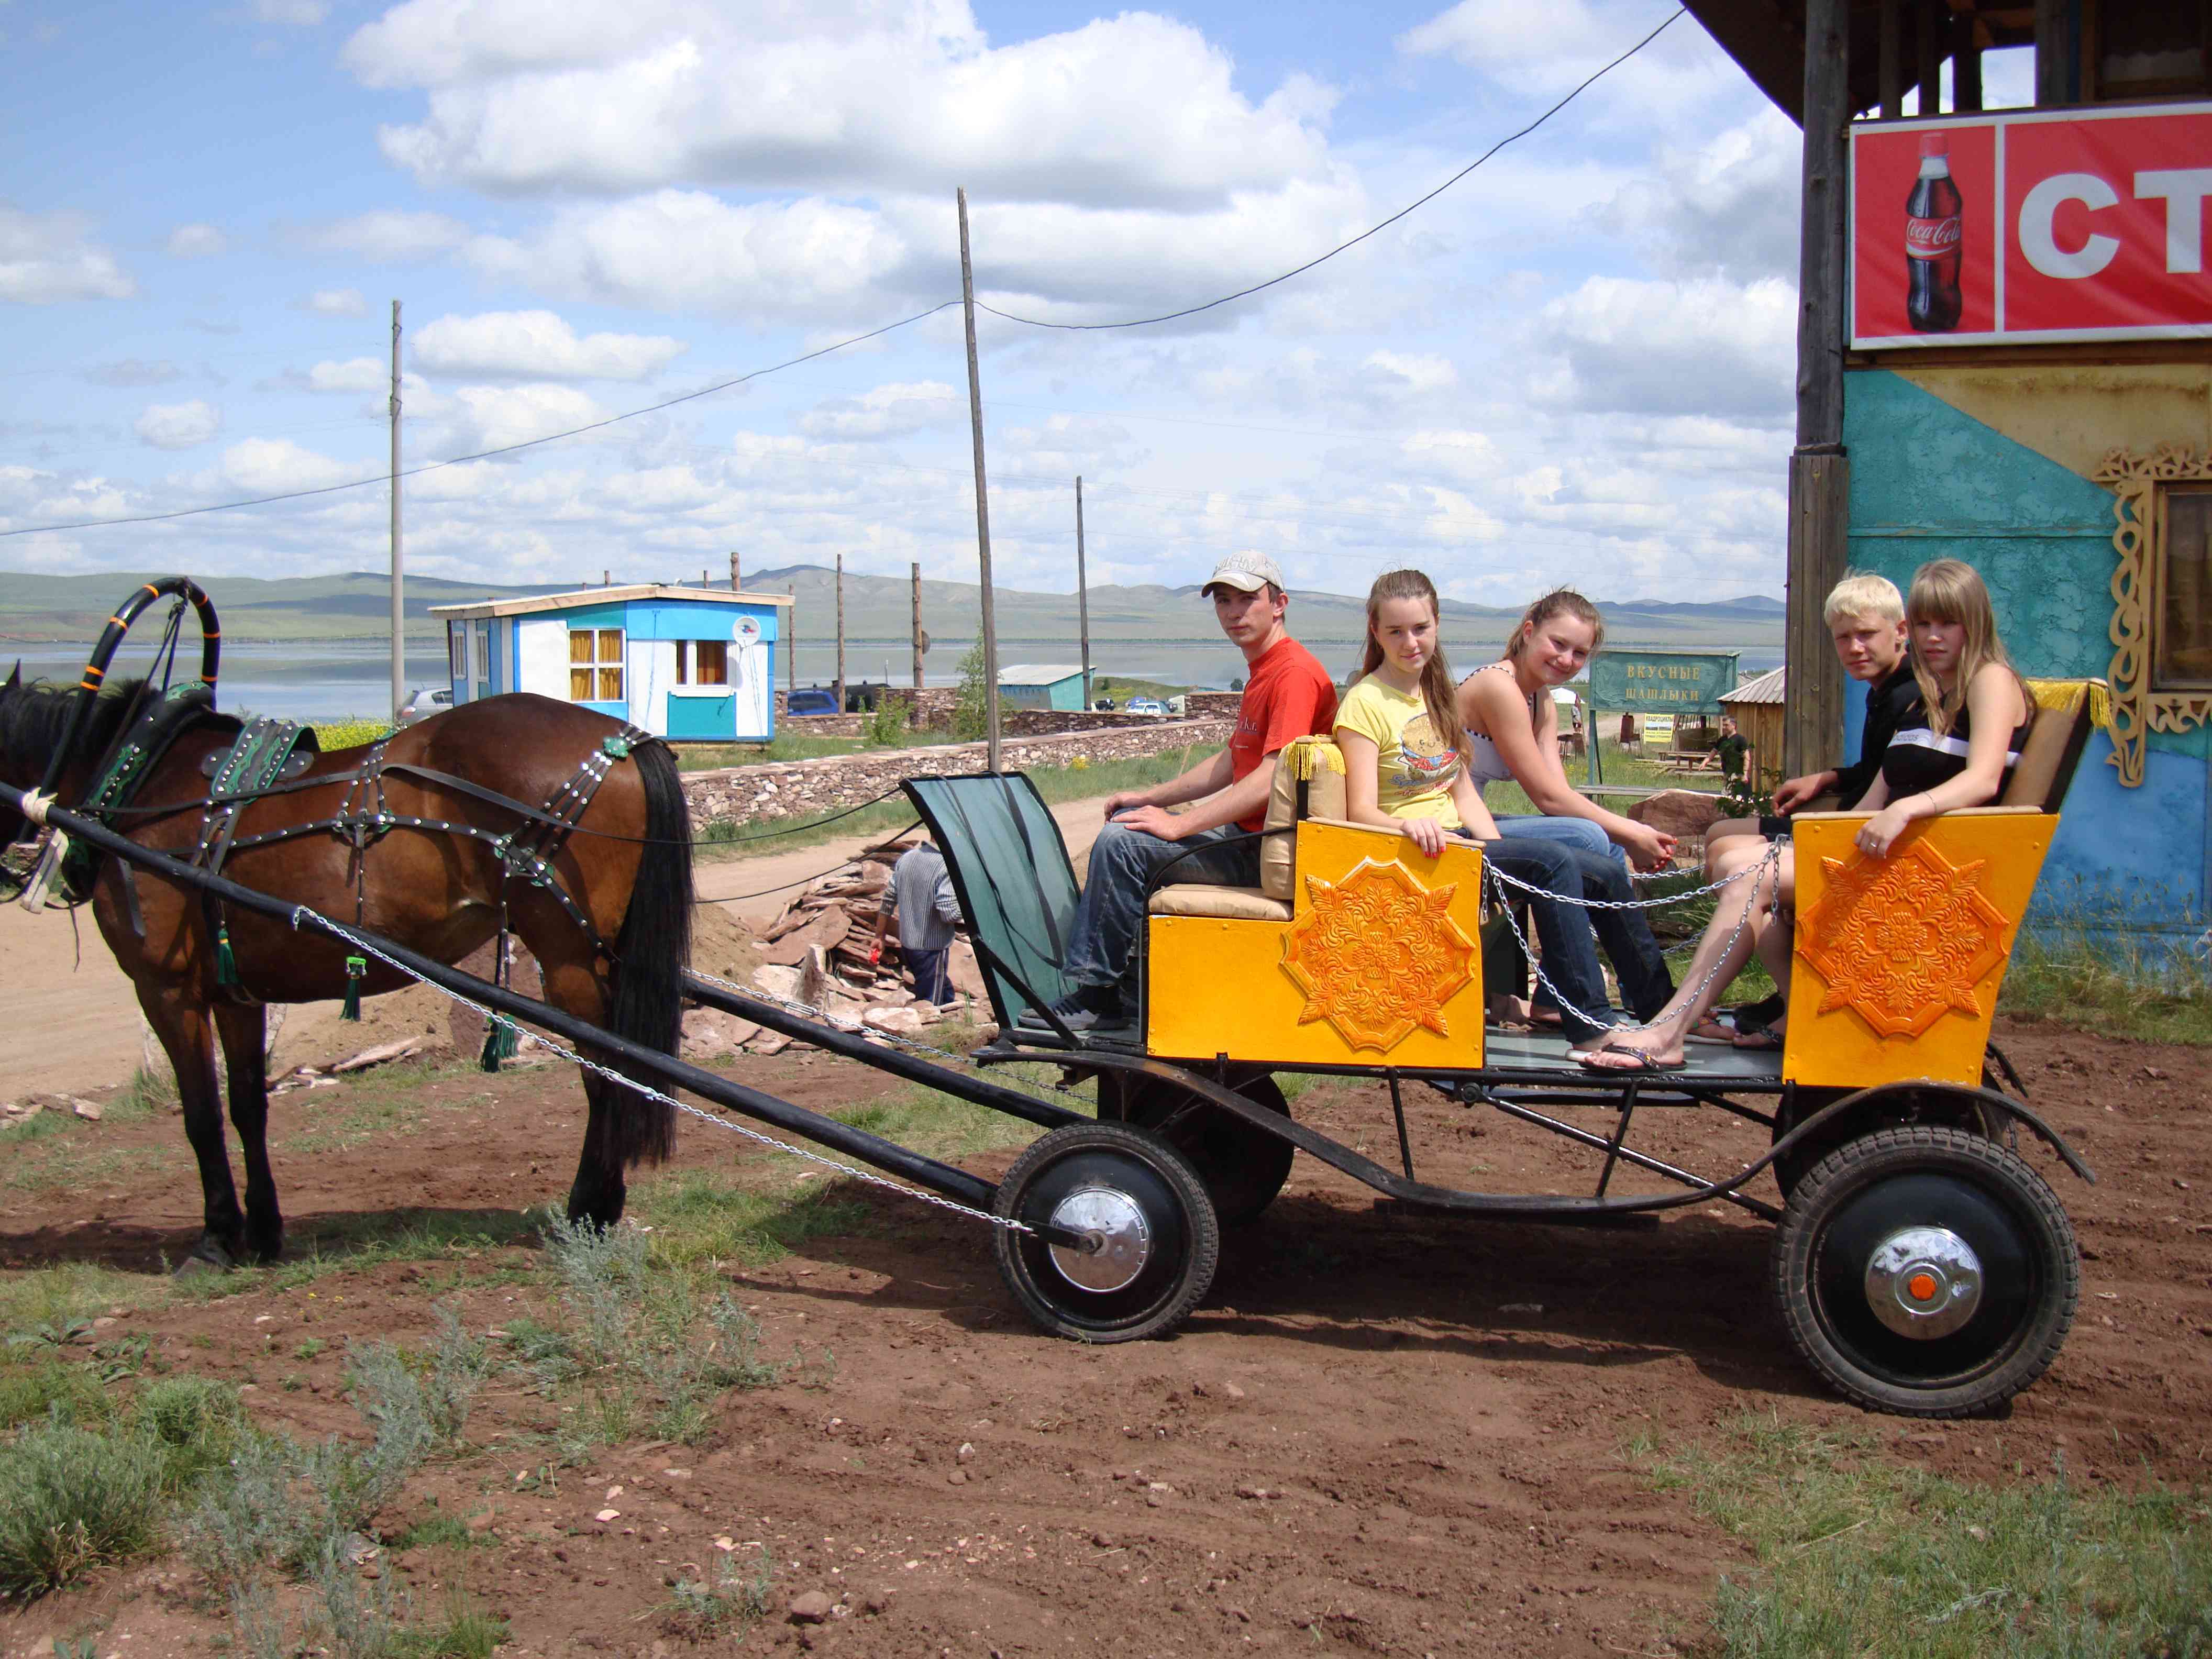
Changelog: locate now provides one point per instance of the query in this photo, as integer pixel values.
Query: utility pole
(1082, 595)
(398, 599)
(983, 500)
(920, 643)
(840, 632)
(790, 645)
(734, 572)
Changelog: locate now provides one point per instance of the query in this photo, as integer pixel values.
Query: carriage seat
(2065, 715)
(1309, 784)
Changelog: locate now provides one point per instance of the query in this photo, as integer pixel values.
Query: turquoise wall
(1928, 483)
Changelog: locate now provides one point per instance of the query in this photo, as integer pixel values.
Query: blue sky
(1575, 365)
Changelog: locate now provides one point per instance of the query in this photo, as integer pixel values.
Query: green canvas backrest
(1011, 874)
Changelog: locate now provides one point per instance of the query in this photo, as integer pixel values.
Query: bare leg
(1718, 840)
(244, 1029)
(1721, 955)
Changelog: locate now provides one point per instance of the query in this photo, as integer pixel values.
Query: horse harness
(267, 757)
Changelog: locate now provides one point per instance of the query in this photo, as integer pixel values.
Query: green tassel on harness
(499, 1042)
(226, 963)
(356, 967)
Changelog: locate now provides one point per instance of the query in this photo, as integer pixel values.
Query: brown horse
(626, 867)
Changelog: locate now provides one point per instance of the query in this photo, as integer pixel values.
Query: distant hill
(49, 608)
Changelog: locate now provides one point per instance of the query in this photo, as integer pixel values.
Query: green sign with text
(1661, 682)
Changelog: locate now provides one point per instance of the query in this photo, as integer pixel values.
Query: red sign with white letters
(2032, 225)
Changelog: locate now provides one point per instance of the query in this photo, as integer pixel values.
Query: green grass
(2062, 973)
(1858, 1553)
(759, 836)
(1121, 687)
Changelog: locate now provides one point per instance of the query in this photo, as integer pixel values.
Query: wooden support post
(1082, 595)
(921, 643)
(1965, 65)
(982, 501)
(736, 575)
(2057, 30)
(1892, 59)
(1820, 474)
(398, 564)
(840, 632)
(791, 644)
(1934, 41)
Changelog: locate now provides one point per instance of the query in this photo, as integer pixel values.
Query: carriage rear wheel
(1153, 1242)
(1926, 1271)
(1243, 1168)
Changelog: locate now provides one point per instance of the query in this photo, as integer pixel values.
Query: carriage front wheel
(1926, 1271)
(1152, 1238)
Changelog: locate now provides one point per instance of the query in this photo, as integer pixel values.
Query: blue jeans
(1646, 984)
(1111, 909)
(1570, 951)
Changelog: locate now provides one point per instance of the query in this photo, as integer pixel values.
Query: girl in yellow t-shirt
(1405, 764)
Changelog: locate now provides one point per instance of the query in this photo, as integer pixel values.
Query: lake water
(352, 677)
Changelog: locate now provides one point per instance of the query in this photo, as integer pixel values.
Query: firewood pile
(817, 953)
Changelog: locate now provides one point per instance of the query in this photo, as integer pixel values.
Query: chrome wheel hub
(1923, 1282)
(1114, 1226)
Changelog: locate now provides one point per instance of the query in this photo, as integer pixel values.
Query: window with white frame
(595, 665)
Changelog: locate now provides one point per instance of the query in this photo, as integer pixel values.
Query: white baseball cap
(1248, 572)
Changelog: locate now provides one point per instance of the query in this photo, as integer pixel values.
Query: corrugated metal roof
(1766, 688)
(1032, 673)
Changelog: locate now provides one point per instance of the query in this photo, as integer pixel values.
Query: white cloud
(303, 14)
(179, 426)
(388, 235)
(354, 374)
(269, 467)
(537, 345)
(617, 96)
(889, 412)
(1459, 454)
(1416, 374)
(197, 242)
(493, 418)
(1705, 347)
(50, 257)
(1728, 205)
(337, 302)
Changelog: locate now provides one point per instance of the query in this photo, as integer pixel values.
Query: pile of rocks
(817, 953)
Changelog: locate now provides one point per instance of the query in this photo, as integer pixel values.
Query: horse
(407, 843)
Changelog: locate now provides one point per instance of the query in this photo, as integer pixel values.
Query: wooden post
(790, 645)
(1934, 28)
(1892, 40)
(398, 597)
(736, 575)
(1965, 65)
(2057, 26)
(840, 632)
(1082, 595)
(1820, 473)
(983, 500)
(920, 643)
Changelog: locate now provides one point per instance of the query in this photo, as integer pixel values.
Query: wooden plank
(1965, 65)
(1819, 502)
(1892, 59)
(2054, 54)
(1934, 41)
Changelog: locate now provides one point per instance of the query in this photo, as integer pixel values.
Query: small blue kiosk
(684, 662)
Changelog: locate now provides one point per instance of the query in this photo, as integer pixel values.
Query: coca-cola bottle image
(1932, 300)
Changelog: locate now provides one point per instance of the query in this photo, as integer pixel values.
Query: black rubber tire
(1243, 1168)
(1927, 1176)
(1178, 1214)
(1937, 1105)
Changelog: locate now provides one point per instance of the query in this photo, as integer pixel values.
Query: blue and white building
(1041, 685)
(684, 662)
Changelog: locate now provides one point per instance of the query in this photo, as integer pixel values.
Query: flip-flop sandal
(1759, 1039)
(1711, 1031)
(1644, 1061)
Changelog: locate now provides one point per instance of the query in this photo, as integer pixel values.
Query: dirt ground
(1382, 1434)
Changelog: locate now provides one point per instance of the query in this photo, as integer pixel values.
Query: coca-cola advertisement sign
(2031, 225)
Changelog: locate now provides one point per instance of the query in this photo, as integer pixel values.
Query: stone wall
(739, 795)
(937, 716)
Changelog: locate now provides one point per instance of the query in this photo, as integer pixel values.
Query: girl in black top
(1975, 711)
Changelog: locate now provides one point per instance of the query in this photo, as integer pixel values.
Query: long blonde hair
(1951, 591)
(1558, 601)
(1437, 692)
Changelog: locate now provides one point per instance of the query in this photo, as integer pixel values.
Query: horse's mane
(33, 717)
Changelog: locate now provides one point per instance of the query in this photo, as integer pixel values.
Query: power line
(487, 454)
(1242, 293)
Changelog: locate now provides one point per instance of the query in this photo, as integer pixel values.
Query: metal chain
(1773, 849)
(867, 1032)
(1772, 860)
(302, 913)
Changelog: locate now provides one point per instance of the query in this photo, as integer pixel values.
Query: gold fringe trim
(2064, 696)
(1309, 758)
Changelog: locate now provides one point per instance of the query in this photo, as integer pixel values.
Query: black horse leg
(599, 1190)
(186, 1036)
(243, 1029)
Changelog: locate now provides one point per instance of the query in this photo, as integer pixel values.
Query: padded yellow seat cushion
(1319, 765)
(1230, 903)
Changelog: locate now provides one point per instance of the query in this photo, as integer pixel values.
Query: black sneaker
(1086, 1008)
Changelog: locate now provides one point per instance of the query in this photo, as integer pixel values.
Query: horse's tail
(654, 947)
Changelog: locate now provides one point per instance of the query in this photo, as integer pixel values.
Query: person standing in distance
(920, 891)
(1287, 694)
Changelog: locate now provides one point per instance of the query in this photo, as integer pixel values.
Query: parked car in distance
(428, 700)
(1146, 706)
(1103, 705)
(815, 700)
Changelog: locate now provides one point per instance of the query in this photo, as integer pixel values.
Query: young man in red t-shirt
(1287, 694)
